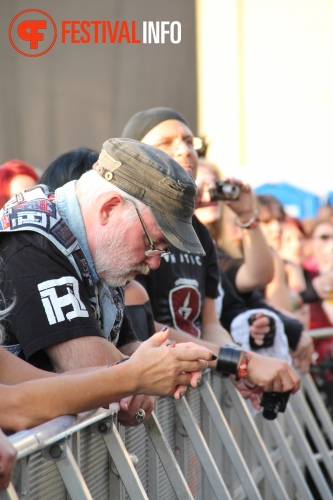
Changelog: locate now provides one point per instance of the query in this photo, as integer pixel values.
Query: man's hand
(7, 461)
(130, 406)
(161, 368)
(244, 206)
(302, 356)
(272, 375)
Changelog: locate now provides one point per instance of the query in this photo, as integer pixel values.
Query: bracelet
(242, 370)
(228, 359)
(117, 362)
(251, 223)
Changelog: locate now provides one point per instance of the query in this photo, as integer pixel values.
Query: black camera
(224, 191)
(273, 403)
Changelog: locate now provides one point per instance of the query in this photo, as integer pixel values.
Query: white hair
(91, 186)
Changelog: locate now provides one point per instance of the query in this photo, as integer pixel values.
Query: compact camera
(224, 191)
(273, 403)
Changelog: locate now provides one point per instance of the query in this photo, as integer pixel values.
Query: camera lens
(271, 409)
(273, 403)
(224, 191)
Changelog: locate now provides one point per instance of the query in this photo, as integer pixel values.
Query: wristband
(117, 362)
(242, 370)
(229, 359)
(251, 223)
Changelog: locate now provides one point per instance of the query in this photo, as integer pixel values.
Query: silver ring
(327, 288)
(140, 415)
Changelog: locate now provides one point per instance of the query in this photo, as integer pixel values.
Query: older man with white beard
(68, 254)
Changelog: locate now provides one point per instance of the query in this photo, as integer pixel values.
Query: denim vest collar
(110, 300)
(69, 209)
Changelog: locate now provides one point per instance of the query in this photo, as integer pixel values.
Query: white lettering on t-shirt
(186, 258)
(54, 304)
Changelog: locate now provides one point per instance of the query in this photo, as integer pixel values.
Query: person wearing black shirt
(183, 290)
(67, 255)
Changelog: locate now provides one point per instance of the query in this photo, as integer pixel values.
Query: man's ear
(107, 204)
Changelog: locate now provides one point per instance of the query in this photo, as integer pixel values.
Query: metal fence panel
(273, 454)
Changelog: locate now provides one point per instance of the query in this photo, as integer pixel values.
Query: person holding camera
(257, 269)
(184, 288)
(224, 224)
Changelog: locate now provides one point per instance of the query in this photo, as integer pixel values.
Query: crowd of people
(105, 249)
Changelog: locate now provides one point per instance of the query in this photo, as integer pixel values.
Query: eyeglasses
(153, 250)
(172, 145)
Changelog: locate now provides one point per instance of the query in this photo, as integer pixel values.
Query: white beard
(112, 263)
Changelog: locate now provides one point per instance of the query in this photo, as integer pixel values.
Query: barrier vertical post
(228, 441)
(257, 443)
(199, 444)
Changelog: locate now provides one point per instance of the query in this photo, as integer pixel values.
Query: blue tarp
(330, 198)
(297, 202)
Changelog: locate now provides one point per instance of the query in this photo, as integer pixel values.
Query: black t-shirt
(177, 289)
(233, 304)
(52, 304)
(142, 320)
(292, 327)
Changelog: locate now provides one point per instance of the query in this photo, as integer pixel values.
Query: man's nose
(182, 148)
(153, 261)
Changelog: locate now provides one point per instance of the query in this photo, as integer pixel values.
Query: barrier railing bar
(123, 463)
(70, 472)
(318, 405)
(41, 436)
(167, 458)
(257, 442)
(320, 333)
(200, 446)
(48, 435)
(229, 442)
(291, 462)
(314, 430)
(306, 453)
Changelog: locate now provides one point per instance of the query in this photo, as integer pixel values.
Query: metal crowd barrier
(205, 446)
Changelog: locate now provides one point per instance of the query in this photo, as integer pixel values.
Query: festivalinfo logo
(33, 32)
